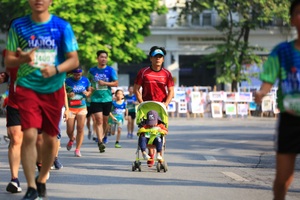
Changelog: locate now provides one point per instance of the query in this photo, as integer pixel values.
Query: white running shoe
(146, 156)
(159, 157)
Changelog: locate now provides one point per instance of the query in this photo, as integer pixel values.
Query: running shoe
(90, 135)
(105, 140)
(14, 186)
(31, 194)
(94, 138)
(101, 147)
(150, 162)
(131, 135)
(41, 188)
(146, 156)
(77, 153)
(39, 166)
(70, 145)
(56, 164)
(117, 145)
(128, 135)
(159, 157)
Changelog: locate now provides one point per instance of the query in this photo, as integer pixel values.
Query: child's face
(130, 89)
(153, 125)
(295, 18)
(119, 95)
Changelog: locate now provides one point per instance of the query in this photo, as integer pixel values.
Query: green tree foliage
(116, 26)
(235, 50)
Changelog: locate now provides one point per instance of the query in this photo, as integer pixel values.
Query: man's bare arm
(136, 90)
(170, 96)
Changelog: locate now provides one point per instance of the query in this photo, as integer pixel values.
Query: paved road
(208, 159)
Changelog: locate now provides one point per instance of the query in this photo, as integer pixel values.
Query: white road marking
(210, 158)
(242, 141)
(218, 149)
(235, 176)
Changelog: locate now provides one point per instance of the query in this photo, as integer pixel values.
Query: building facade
(187, 40)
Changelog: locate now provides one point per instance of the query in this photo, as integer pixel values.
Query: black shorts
(105, 108)
(88, 108)
(12, 117)
(287, 139)
(132, 115)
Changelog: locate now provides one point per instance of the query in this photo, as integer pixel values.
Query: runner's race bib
(101, 87)
(75, 102)
(44, 56)
(291, 104)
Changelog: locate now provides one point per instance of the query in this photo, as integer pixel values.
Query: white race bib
(44, 56)
(291, 104)
(100, 87)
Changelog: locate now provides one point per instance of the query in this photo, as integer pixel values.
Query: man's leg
(39, 144)
(285, 165)
(29, 155)
(14, 153)
(99, 130)
(48, 155)
(99, 126)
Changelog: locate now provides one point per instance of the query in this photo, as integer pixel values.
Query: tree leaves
(116, 26)
(231, 55)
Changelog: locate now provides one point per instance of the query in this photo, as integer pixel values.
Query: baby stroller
(141, 118)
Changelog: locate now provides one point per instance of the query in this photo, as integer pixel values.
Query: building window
(206, 19)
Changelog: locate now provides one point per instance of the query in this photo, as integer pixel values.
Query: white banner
(216, 110)
(197, 102)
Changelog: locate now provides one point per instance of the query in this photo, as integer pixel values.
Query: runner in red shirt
(156, 82)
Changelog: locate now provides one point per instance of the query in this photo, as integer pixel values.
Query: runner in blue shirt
(78, 88)
(44, 48)
(131, 104)
(118, 110)
(102, 78)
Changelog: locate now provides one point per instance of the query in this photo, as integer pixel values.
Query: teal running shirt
(101, 94)
(283, 64)
(53, 38)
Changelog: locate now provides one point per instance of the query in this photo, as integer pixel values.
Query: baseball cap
(156, 52)
(77, 70)
(152, 118)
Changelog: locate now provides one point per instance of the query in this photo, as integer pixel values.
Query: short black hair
(157, 47)
(118, 90)
(101, 51)
(293, 6)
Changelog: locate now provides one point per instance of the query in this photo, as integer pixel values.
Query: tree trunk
(234, 86)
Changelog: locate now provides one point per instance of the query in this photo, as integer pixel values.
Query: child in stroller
(151, 133)
(152, 120)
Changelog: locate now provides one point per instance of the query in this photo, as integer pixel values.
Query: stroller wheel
(158, 166)
(140, 169)
(165, 166)
(133, 166)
